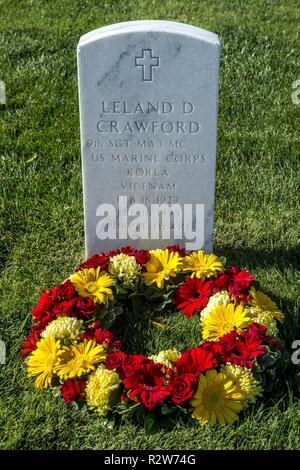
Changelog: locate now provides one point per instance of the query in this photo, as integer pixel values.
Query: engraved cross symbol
(147, 61)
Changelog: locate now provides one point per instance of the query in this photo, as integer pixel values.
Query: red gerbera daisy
(196, 361)
(146, 384)
(192, 296)
(29, 344)
(242, 349)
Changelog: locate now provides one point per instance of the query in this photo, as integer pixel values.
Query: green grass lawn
(41, 218)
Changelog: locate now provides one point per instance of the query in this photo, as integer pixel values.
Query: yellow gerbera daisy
(216, 400)
(223, 319)
(79, 359)
(94, 284)
(261, 301)
(161, 266)
(99, 388)
(42, 361)
(202, 265)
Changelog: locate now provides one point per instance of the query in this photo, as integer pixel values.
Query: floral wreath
(71, 348)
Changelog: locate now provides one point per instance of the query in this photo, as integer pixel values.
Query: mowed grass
(41, 220)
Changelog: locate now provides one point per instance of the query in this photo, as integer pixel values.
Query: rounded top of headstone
(151, 26)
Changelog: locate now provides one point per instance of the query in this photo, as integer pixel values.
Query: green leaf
(168, 410)
(151, 424)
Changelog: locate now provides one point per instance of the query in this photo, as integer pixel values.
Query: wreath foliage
(71, 348)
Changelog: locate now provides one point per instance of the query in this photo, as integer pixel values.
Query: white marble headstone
(148, 113)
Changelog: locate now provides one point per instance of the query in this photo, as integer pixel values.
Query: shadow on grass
(254, 258)
(280, 258)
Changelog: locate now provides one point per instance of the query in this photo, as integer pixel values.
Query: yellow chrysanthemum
(99, 387)
(245, 382)
(223, 319)
(63, 328)
(167, 358)
(202, 265)
(43, 360)
(261, 301)
(80, 359)
(266, 319)
(94, 284)
(161, 266)
(125, 268)
(222, 297)
(216, 400)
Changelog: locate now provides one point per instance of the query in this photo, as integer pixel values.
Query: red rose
(183, 387)
(260, 331)
(72, 389)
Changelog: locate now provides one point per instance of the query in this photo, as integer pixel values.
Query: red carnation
(115, 361)
(65, 291)
(132, 363)
(72, 389)
(98, 335)
(192, 296)
(183, 387)
(102, 336)
(146, 383)
(195, 361)
(94, 262)
(29, 344)
(44, 305)
(41, 325)
(141, 256)
(85, 308)
(65, 307)
(177, 249)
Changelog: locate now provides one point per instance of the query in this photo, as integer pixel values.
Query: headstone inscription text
(148, 111)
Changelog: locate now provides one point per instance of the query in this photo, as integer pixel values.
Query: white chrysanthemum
(167, 358)
(266, 319)
(243, 378)
(63, 328)
(219, 298)
(124, 267)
